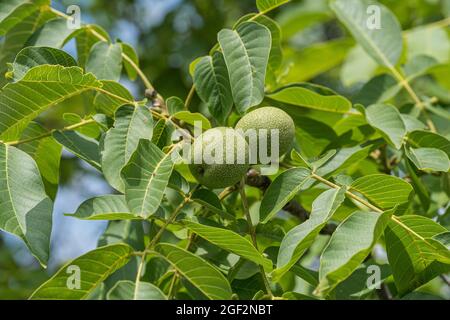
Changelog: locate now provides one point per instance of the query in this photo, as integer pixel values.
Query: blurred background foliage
(168, 35)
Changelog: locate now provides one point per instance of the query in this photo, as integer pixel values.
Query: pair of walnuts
(220, 173)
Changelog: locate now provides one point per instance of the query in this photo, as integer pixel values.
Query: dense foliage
(358, 208)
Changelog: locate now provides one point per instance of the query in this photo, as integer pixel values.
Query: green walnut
(269, 118)
(219, 158)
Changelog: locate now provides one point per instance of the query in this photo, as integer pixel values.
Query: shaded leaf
(282, 190)
(300, 238)
(25, 209)
(197, 271)
(192, 118)
(212, 83)
(83, 147)
(230, 241)
(131, 60)
(174, 105)
(388, 121)
(126, 290)
(47, 154)
(112, 96)
(413, 258)
(105, 61)
(349, 246)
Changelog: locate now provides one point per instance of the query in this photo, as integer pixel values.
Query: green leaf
(112, 96)
(299, 239)
(305, 64)
(31, 57)
(230, 241)
(349, 246)
(178, 182)
(25, 209)
(174, 105)
(17, 36)
(312, 136)
(205, 277)
(384, 44)
(310, 276)
(130, 232)
(419, 186)
(384, 87)
(13, 12)
(282, 190)
(212, 83)
(357, 67)
(246, 52)
(22, 101)
(429, 159)
(105, 61)
(418, 66)
(126, 290)
(131, 124)
(344, 158)
(82, 146)
(107, 207)
(54, 33)
(377, 90)
(388, 121)
(92, 130)
(162, 132)
(276, 53)
(47, 154)
(413, 257)
(94, 266)
(146, 177)
(192, 118)
(265, 6)
(210, 200)
(427, 139)
(383, 190)
(436, 46)
(129, 51)
(302, 96)
(412, 123)
(85, 39)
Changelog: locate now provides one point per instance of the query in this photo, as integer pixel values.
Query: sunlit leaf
(384, 44)
(107, 207)
(146, 176)
(383, 190)
(246, 52)
(349, 246)
(131, 124)
(93, 267)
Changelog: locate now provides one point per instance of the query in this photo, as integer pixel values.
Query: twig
(252, 232)
(189, 97)
(49, 133)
